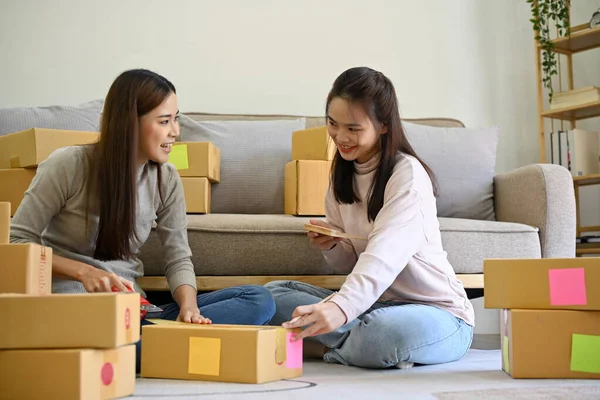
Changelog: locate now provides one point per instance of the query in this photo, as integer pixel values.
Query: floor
(478, 376)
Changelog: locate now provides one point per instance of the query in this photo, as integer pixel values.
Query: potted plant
(543, 13)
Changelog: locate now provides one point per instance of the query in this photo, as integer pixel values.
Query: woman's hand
(322, 242)
(98, 280)
(324, 317)
(192, 315)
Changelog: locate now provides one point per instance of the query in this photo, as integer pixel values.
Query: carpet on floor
(477, 376)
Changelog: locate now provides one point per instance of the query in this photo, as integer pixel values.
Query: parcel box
(4, 222)
(94, 320)
(306, 184)
(542, 283)
(26, 269)
(197, 159)
(551, 343)
(30, 147)
(313, 144)
(224, 353)
(197, 193)
(13, 185)
(67, 374)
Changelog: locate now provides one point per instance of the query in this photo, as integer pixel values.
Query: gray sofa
(526, 213)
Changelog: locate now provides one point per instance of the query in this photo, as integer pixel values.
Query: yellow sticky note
(505, 355)
(179, 156)
(204, 357)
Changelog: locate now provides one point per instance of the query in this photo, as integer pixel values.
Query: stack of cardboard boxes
(60, 346)
(21, 152)
(198, 165)
(550, 315)
(307, 175)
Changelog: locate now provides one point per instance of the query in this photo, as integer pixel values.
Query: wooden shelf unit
(580, 40)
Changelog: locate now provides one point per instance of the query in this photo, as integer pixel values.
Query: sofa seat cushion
(248, 244)
(468, 242)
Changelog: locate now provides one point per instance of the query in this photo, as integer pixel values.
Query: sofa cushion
(82, 117)
(252, 179)
(228, 244)
(463, 161)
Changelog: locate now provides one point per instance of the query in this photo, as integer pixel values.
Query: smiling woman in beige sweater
(95, 205)
(401, 303)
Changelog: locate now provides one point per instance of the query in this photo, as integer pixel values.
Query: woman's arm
(342, 257)
(171, 226)
(397, 235)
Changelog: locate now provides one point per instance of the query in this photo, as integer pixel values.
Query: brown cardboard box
(542, 283)
(197, 159)
(197, 193)
(223, 353)
(86, 374)
(57, 321)
(551, 343)
(30, 147)
(4, 222)
(306, 184)
(13, 185)
(26, 269)
(313, 144)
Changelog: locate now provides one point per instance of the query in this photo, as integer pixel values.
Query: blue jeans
(240, 305)
(386, 335)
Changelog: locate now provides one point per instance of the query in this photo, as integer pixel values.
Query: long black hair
(376, 94)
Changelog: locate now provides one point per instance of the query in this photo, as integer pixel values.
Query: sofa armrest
(540, 195)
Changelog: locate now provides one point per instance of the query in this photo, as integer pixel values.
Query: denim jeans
(386, 335)
(240, 305)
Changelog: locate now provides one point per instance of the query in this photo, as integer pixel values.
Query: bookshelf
(582, 38)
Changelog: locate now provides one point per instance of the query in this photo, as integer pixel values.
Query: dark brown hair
(115, 162)
(376, 94)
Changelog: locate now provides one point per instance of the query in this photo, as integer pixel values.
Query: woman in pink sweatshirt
(401, 303)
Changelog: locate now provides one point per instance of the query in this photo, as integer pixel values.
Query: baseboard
(332, 282)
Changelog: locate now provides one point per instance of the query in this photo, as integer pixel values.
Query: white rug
(478, 376)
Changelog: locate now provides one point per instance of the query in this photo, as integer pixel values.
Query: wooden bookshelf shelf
(578, 41)
(588, 110)
(586, 180)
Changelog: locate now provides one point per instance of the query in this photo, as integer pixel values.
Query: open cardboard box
(223, 353)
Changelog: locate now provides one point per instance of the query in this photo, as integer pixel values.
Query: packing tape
(109, 373)
(43, 275)
(281, 347)
(15, 162)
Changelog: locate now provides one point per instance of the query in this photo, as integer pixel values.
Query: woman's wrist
(186, 296)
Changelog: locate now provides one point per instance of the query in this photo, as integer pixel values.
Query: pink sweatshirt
(403, 259)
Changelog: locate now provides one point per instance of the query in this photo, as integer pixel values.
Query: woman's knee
(263, 299)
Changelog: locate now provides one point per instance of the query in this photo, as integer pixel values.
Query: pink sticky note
(294, 352)
(567, 287)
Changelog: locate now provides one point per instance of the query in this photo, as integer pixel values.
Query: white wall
(466, 59)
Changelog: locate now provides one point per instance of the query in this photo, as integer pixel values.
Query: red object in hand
(143, 302)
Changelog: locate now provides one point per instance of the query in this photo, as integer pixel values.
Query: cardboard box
(197, 159)
(551, 344)
(30, 147)
(542, 283)
(306, 184)
(26, 269)
(313, 144)
(85, 374)
(197, 193)
(13, 185)
(223, 353)
(4, 222)
(59, 321)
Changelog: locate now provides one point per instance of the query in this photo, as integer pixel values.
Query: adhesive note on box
(585, 353)
(294, 352)
(179, 156)
(505, 355)
(567, 287)
(204, 356)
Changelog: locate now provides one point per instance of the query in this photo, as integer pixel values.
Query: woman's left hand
(324, 317)
(192, 315)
